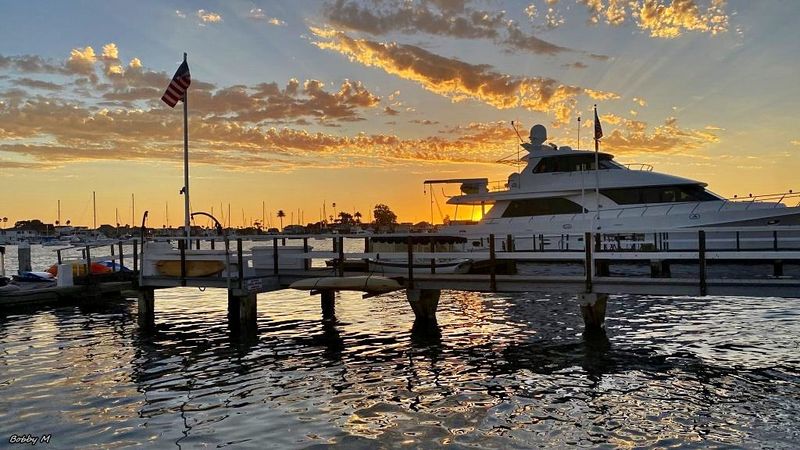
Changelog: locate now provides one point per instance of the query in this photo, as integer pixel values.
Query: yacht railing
(639, 166)
(778, 198)
(497, 186)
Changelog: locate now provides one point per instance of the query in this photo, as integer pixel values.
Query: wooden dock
(247, 275)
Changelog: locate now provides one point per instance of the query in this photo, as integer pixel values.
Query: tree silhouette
(68, 222)
(345, 218)
(281, 215)
(384, 216)
(357, 215)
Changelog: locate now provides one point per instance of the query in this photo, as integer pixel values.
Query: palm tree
(281, 215)
(5, 221)
(357, 215)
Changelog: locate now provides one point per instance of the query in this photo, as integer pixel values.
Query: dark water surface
(498, 372)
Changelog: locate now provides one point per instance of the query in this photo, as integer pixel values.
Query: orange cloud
(632, 136)
(259, 15)
(661, 18)
(458, 80)
(208, 16)
(82, 60)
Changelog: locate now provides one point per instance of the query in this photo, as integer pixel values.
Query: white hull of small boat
(363, 283)
(399, 266)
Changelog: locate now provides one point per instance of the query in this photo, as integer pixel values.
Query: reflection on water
(497, 371)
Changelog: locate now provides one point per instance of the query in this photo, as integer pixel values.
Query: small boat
(361, 283)
(350, 264)
(194, 268)
(400, 266)
(34, 277)
(79, 268)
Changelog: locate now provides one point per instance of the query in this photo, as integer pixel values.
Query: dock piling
(659, 268)
(593, 310)
(242, 311)
(424, 303)
(146, 299)
(328, 303)
(24, 257)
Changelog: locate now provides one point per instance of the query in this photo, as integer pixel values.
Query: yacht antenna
(516, 131)
(520, 141)
(579, 132)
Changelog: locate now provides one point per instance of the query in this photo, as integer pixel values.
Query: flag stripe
(177, 86)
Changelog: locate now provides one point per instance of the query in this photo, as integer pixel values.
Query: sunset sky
(297, 103)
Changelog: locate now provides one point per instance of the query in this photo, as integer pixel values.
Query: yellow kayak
(194, 268)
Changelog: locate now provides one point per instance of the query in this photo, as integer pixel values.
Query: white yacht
(559, 191)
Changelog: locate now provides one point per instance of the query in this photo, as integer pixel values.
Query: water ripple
(499, 371)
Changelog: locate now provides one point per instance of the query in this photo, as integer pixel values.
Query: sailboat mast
(94, 210)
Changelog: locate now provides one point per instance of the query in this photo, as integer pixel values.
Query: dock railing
(267, 262)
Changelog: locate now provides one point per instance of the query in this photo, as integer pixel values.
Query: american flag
(598, 130)
(177, 87)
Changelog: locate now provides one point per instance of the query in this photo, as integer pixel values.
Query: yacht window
(541, 207)
(573, 163)
(659, 194)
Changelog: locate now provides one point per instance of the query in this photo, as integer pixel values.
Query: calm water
(499, 371)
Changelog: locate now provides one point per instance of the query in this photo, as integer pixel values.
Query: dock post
(146, 299)
(424, 303)
(777, 268)
(182, 246)
(588, 265)
(659, 268)
(492, 263)
(341, 256)
(327, 299)
(136, 255)
(306, 261)
(274, 256)
(433, 250)
(89, 278)
(410, 249)
(701, 256)
(593, 310)
(240, 262)
(24, 257)
(242, 312)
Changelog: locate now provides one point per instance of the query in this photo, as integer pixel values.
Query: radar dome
(538, 134)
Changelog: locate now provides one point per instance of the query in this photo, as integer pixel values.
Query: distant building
(294, 229)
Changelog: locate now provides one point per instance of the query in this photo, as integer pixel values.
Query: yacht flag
(178, 86)
(598, 133)
(598, 130)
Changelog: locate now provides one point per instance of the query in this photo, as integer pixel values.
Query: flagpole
(187, 213)
(596, 172)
